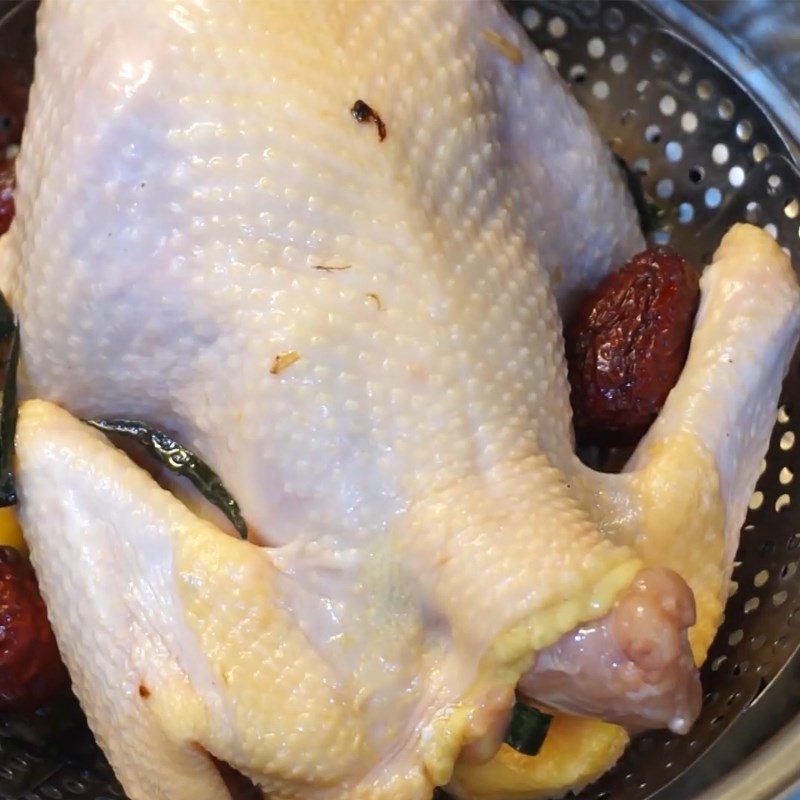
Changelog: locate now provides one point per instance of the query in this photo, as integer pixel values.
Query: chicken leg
(680, 503)
(358, 327)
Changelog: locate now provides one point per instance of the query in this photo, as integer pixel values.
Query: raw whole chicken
(354, 318)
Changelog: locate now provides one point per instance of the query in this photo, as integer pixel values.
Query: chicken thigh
(326, 245)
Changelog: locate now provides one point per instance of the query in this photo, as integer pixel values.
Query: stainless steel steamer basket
(709, 133)
(712, 135)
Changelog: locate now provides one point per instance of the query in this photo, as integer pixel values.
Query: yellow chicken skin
(353, 316)
(692, 477)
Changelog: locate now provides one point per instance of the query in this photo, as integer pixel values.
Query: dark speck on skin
(364, 113)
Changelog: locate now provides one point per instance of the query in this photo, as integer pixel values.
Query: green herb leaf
(528, 728)
(650, 214)
(179, 460)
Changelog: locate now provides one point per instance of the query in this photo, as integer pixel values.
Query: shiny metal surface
(755, 40)
(767, 32)
(768, 29)
(714, 135)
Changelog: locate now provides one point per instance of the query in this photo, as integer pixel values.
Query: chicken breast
(327, 246)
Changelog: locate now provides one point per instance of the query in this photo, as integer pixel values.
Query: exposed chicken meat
(680, 503)
(633, 667)
(363, 338)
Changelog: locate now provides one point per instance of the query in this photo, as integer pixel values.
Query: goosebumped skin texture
(575, 752)
(200, 647)
(720, 413)
(683, 496)
(636, 660)
(451, 190)
(169, 693)
(412, 466)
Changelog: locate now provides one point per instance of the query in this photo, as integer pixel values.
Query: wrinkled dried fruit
(13, 107)
(31, 670)
(627, 344)
(7, 183)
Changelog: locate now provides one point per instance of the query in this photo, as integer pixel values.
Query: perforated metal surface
(709, 156)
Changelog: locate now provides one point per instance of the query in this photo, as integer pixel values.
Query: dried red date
(7, 184)
(31, 670)
(13, 107)
(627, 344)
